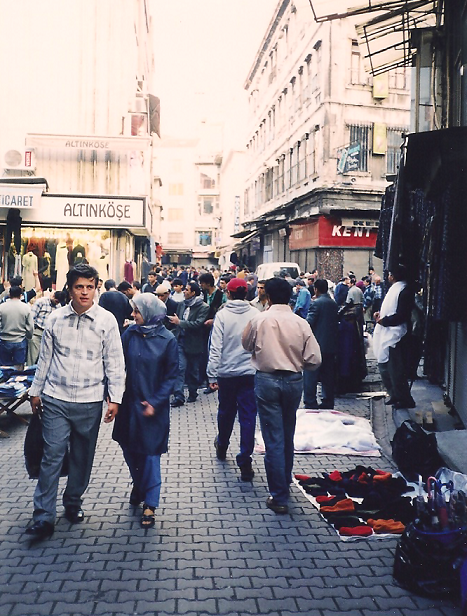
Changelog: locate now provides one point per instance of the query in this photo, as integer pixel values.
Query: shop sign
(82, 142)
(304, 236)
(21, 197)
(90, 211)
(333, 233)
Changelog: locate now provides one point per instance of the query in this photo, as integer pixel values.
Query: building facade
(76, 132)
(323, 137)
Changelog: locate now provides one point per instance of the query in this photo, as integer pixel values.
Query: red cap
(236, 283)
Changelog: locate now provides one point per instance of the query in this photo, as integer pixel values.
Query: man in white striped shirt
(80, 364)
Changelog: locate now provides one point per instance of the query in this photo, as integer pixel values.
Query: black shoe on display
(40, 530)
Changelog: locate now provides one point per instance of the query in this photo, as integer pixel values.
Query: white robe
(386, 337)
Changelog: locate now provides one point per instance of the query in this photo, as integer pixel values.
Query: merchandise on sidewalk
(330, 432)
(361, 503)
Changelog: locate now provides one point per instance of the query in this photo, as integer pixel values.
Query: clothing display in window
(78, 254)
(103, 267)
(18, 271)
(13, 229)
(30, 265)
(129, 271)
(62, 265)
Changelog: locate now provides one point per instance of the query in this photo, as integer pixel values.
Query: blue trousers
(146, 474)
(188, 372)
(237, 395)
(278, 396)
(63, 423)
(13, 353)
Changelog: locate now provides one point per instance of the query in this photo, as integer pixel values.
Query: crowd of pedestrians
(132, 348)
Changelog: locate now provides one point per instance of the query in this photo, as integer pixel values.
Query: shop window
(204, 238)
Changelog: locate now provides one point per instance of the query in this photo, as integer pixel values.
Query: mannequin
(29, 267)
(129, 271)
(61, 265)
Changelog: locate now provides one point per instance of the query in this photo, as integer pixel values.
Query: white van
(267, 270)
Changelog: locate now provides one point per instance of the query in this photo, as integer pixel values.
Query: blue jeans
(13, 353)
(237, 394)
(146, 474)
(326, 374)
(188, 371)
(278, 396)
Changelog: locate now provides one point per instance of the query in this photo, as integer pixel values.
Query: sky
(204, 50)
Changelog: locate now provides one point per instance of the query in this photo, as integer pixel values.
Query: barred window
(393, 155)
(360, 135)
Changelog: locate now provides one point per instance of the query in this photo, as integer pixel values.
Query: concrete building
(323, 135)
(190, 197)
(77, 119)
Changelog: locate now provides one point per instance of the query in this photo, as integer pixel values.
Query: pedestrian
(323, 320)
(282, 345)
(231, 372)
(261, 301)
(213, 298)
(40, 311)
(152, 283)
(142, 424)
(115, 302)
(177, 286)
(391, 338)
(189, 322)
(80, 364)
(16, 328)
(163, 293)
(303, 300)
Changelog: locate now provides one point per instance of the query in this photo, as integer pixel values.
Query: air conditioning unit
(18, 159)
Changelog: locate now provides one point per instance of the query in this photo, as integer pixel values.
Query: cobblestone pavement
(216, 548)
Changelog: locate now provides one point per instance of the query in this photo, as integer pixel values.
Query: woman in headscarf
(142, 424)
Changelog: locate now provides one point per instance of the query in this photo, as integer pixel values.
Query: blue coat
(323, 321)
(151, 370)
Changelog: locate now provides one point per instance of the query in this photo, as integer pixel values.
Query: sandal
(148, 519)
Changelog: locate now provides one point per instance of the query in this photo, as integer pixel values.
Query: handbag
(34, 449)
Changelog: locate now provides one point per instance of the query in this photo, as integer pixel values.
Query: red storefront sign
(330, 232)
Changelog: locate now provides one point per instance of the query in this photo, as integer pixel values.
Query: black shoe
(208, 390)
(313, 405)
(246, 472)
(271, 504)
(135, 497)
(74, 514)
(192, 398)
(390, 401)
(221, 452)
(177, 402)
(40, 530)
(325, 406)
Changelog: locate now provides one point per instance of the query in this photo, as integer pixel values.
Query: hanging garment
(62, 266)
(18, 267)
(129, 271)
(30, 265)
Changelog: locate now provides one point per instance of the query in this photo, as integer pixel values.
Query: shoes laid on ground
(40, 530)
(192, 398)
(208, 390)
(221, 452)
(177, 402)
(246, 472)
(271, 504)
(390, 401)
(409, 404)
(148, 518)
(135, 497)
(74, 514)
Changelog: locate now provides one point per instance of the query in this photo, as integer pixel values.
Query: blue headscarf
(151, 308)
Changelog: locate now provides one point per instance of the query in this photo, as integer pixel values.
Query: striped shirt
(81, 357)
(41, 309)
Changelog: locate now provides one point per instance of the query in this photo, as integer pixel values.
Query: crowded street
(215, 548)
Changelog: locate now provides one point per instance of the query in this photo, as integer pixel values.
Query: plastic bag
(34, 448)
(429, 563)
(415, 451)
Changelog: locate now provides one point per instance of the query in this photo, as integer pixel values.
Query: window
(269, 185)
(360, 138)
(204, 238)
(393, 155)
(311, 154)
(175, 238)
(294, 163)
(207, 177)
(302, 159)
(175, 190)
(139, 124)
(398, 78)
(358, 76)
(280, 176)
(175, 213)
(206, 205)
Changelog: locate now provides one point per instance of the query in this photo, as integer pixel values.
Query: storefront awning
(386, 35)
(244, 235)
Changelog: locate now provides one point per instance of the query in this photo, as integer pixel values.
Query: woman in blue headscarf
(142, 424)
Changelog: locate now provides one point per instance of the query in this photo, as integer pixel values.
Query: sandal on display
(149, 519)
